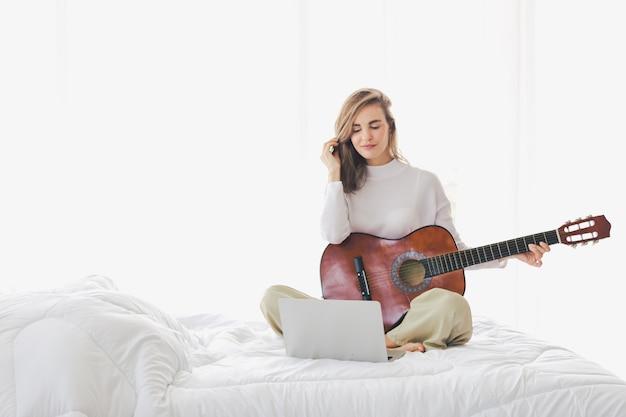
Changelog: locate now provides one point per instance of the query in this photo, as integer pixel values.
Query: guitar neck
(449, 262)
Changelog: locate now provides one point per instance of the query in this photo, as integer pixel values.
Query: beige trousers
(437, 318)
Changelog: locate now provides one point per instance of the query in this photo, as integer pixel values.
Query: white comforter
(89, 350)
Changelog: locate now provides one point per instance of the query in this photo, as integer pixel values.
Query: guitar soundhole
(408, 274)
(412, 273)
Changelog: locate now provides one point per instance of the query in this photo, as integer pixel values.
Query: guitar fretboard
(449, 262)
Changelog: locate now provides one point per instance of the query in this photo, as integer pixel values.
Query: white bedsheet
(89, 350)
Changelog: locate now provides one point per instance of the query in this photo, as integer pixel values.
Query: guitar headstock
(583, 231)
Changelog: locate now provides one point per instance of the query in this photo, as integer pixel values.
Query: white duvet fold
(87, 349)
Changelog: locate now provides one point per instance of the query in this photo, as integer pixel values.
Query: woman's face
(370, 135)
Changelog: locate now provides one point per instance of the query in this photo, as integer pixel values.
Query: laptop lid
(334, 329)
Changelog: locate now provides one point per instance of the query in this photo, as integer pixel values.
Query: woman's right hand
(330, 158)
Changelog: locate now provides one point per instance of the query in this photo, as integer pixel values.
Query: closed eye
(374, 124)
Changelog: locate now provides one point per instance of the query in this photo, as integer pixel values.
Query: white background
(174, 146)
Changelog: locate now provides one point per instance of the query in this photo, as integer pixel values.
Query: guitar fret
(480, 259)
(442, 267)
(448, 266)
(554, 240)
(457, 260)
(436, 265)
(493, 256)
(546, 239)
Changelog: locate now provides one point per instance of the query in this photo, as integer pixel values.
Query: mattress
(86, 349)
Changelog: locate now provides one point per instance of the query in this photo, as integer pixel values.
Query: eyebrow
(369, 123)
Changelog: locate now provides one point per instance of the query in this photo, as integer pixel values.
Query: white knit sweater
(395, 200)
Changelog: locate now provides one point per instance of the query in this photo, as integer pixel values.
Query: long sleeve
(335, 222)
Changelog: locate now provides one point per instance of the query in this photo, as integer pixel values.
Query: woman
(372, 189)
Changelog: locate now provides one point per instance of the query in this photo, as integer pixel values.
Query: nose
(366, 134)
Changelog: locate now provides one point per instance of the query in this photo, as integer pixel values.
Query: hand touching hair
(353, 165)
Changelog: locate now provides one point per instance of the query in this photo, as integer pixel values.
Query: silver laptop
(334, 329)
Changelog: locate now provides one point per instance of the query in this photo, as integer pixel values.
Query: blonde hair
(353, 165)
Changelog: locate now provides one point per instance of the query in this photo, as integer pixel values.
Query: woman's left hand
(536, 252)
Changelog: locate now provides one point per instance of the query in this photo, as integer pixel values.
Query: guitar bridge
(362, 278)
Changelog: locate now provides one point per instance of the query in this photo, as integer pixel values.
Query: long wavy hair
(354, 166)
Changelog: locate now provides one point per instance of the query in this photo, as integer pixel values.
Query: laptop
(334, 329)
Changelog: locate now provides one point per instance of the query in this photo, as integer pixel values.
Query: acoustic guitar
(395, 271)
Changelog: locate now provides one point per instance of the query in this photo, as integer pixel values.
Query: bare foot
(408, 347)
(412, 347)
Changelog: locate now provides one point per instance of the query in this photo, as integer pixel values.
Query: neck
(381, 160)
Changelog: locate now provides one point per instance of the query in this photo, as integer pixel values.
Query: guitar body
(394, 279)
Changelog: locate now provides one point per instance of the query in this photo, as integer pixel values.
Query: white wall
(580, 110)
(174, 147)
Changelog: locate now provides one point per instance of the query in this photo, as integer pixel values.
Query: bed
(87, 349)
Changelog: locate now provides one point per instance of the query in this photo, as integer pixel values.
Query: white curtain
(174, 146)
